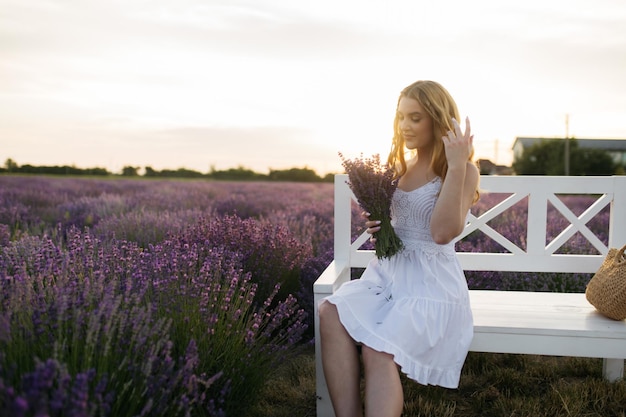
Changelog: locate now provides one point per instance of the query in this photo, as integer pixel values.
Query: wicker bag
(607, 289)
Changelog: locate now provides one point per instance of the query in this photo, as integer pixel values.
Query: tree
(548, 158)
(238, 174)
(129, 171)
(593, 162)
(294, 174)
(10, 165)
(150, 172)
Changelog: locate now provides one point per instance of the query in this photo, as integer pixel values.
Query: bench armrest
(332, 278)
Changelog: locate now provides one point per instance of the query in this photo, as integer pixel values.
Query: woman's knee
(328, 313)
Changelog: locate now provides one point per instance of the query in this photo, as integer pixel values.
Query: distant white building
(614, 147)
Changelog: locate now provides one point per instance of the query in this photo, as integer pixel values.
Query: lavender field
(136, 297)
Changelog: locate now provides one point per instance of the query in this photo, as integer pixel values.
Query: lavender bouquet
(373, 186)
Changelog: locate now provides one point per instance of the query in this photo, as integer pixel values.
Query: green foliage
(180, 173)
(329, 178)
(150, 172)
(593, 162)
(58, 170)
(232, 174)
(548, 158)
(129, 171)
(236, 174)
(294, 174)
(11, 165)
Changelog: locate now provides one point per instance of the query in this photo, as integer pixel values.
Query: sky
(278, 84)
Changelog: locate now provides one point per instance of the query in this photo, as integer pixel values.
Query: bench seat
(544, 323)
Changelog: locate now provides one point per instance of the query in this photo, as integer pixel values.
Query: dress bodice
(410, 217)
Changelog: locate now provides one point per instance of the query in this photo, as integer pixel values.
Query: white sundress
(414, 305)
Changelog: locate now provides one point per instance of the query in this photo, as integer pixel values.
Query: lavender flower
(374, 185)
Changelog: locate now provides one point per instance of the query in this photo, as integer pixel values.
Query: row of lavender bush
(155, 297)
(160, 298)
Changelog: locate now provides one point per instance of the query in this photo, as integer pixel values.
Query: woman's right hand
(373, 226)
(458, 144)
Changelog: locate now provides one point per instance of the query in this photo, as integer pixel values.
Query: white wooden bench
(539, 323)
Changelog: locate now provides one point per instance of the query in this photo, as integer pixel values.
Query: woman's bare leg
(340, 360)
(383, 388)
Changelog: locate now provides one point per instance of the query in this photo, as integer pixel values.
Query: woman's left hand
(372, 226)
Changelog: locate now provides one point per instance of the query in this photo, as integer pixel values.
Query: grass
(492, 385)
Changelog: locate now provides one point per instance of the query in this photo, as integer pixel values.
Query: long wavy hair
(441, 107)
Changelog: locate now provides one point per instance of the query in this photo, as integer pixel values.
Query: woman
(410, 311)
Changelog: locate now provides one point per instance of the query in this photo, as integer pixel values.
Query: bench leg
(613, 369)
(324, 406)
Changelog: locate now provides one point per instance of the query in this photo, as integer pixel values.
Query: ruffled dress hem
(447, 378)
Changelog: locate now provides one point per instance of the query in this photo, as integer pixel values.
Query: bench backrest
(539, 192)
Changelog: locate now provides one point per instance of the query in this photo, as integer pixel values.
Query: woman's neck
(422, 158)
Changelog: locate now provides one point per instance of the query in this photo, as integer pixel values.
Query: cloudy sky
(275, 84)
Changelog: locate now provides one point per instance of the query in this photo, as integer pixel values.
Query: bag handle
(619, 255)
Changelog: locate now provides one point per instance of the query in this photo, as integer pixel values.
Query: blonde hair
(440, 106)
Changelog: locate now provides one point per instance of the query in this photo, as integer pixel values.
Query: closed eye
(415, 117)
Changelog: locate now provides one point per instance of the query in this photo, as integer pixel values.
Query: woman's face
(416, 126)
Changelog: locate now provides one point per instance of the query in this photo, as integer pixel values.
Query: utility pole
(496, 152)
(567, 144)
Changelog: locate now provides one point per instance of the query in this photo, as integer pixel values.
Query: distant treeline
(237, 174)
